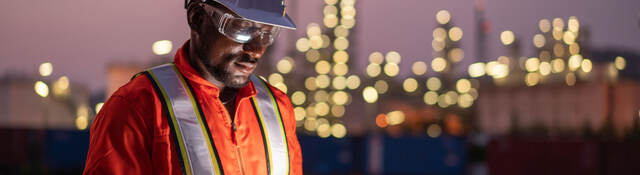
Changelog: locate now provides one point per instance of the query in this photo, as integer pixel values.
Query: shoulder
(137, 96)
(130, 109)
(285, 107)
(283, 101)
(280, 96)
(138, 89)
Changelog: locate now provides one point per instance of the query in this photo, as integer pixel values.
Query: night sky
(81, 38)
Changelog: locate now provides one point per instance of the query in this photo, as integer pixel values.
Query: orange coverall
(130, 134)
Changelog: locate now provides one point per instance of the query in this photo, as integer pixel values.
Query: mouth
(245, 65)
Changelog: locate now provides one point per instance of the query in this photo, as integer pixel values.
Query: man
(205, 113)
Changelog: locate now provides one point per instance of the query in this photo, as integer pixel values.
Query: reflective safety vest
(193, 139)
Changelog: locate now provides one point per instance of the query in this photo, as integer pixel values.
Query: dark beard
(221, 72)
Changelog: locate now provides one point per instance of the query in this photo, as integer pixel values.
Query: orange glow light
(453, 124)
(381, 121)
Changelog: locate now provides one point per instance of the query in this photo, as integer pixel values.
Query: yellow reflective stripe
(183, 153)
(284, 11)
(214, 159)
(268, 114)
(280, 122)
(266, 136)
(264, 130)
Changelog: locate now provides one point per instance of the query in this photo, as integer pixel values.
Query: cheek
(226, 45)
(213, 53)
(219, 49)
(225, 52)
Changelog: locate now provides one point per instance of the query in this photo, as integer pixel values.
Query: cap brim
(260, 11)
(266, 18)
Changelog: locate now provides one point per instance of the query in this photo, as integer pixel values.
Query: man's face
(227, 61)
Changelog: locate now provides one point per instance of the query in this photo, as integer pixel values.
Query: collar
(197, 81)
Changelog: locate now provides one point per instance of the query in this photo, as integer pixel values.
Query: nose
(254, 48)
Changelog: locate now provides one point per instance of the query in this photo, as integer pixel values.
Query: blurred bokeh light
(377, 87)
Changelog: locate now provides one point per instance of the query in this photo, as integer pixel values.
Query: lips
(245, 67)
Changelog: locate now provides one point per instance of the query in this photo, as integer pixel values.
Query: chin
(237, 81)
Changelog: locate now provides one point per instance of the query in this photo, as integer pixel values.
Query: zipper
(234, 128)
(240, 160)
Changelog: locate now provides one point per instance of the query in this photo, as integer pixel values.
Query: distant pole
(481, 29)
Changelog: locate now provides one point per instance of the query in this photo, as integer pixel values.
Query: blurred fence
(384, 155)
(64, 152)
(562, 156)
(43, 151)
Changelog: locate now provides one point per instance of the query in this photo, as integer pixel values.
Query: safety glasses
(242, 30)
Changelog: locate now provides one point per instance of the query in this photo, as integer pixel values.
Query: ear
(195, 16)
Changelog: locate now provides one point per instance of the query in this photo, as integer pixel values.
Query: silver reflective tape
(274, 133)
(183, 109)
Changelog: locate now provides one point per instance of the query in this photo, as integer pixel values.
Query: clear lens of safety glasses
(243, 31)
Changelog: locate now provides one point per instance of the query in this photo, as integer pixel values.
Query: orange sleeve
(120, 140)
(294, 146)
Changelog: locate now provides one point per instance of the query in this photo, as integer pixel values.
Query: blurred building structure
(385, 91)
(43, 123)
(22, 108)
(558, 109)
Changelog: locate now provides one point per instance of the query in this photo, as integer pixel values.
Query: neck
(197, 64)
(227, 95)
